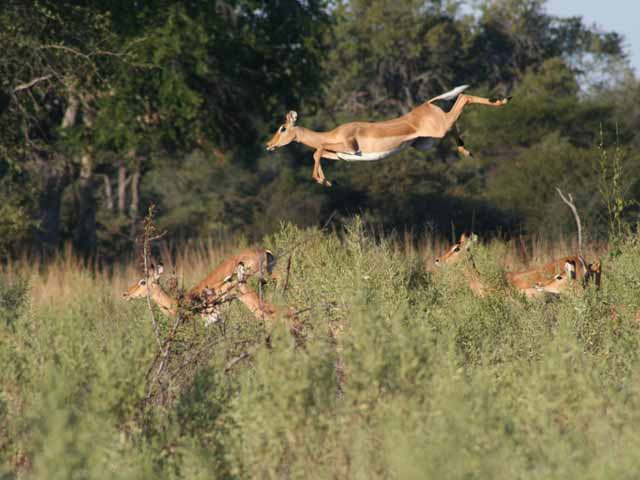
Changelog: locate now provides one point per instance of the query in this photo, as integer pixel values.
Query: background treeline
(108, 106)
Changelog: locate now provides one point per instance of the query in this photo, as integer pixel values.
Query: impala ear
(463, 238)
(292, 116)
(157, 271)
(570, 268)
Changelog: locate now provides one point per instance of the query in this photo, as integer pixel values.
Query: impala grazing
(368, 141)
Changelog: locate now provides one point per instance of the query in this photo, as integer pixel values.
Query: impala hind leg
(452, 115)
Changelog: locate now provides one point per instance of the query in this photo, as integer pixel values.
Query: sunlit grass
(402, 373)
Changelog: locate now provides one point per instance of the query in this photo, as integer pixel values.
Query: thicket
(398, 371)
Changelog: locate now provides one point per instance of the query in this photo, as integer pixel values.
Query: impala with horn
(367, 141)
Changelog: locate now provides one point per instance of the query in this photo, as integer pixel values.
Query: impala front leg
(318, 174)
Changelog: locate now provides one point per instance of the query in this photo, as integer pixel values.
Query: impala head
(457, 250)
(285, 133)
(560, 281)
(140, 288)
(259, 262)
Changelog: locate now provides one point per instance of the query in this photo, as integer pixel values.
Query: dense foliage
(109, 106)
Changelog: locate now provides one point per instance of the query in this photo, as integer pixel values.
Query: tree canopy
(106, 107)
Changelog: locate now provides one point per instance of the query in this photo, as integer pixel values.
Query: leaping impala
(367, 141)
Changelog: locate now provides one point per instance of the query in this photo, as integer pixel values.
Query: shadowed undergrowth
(403, 373)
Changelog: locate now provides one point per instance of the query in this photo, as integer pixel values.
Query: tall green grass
(402, 372)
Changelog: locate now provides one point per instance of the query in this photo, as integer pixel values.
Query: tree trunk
(57, 178)
(122, 187)
(108, 192)
(84, 233)
(135, 201)
(50, 202)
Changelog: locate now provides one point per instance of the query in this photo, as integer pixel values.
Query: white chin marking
(370, 156)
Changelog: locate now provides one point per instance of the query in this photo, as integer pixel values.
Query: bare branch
(31, 83)
(286, 280)
(235, 360)
(149, 228)
(572, 206)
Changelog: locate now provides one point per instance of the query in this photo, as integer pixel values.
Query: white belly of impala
(370, 156)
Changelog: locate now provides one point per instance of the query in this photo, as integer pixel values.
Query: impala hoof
(500, 101)
(323, 181)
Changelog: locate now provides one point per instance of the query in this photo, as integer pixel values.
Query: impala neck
(309, 137)
(163, 300)
(251, 300)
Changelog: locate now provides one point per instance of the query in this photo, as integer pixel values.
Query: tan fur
(256, 261)
(455, 251)
(583, 272)
(157, 294)
(532, 283)
(425, 121)
(215, 287)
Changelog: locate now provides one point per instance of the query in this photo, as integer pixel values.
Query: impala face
(457, 249)
(285, 134)
(560, 282)
(140, 288)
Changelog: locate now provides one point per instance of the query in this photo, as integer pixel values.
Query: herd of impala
(553, 277)
(228, 281)
(361, 141)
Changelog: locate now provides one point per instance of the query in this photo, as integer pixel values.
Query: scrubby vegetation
(401, 372)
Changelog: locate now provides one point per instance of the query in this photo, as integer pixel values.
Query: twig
(165, 354)
(147, 238)
(569, 202)
(30, 84)
(286, 279)
(235, 360)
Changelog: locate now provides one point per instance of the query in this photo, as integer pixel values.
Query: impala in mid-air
(367, 141)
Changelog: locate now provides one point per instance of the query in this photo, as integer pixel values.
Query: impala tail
(450, 95)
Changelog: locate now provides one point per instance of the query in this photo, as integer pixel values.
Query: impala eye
(142, 283)
(283, 128)
(456, 249)
(559, 277)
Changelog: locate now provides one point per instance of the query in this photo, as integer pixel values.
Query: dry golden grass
(56, 280)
